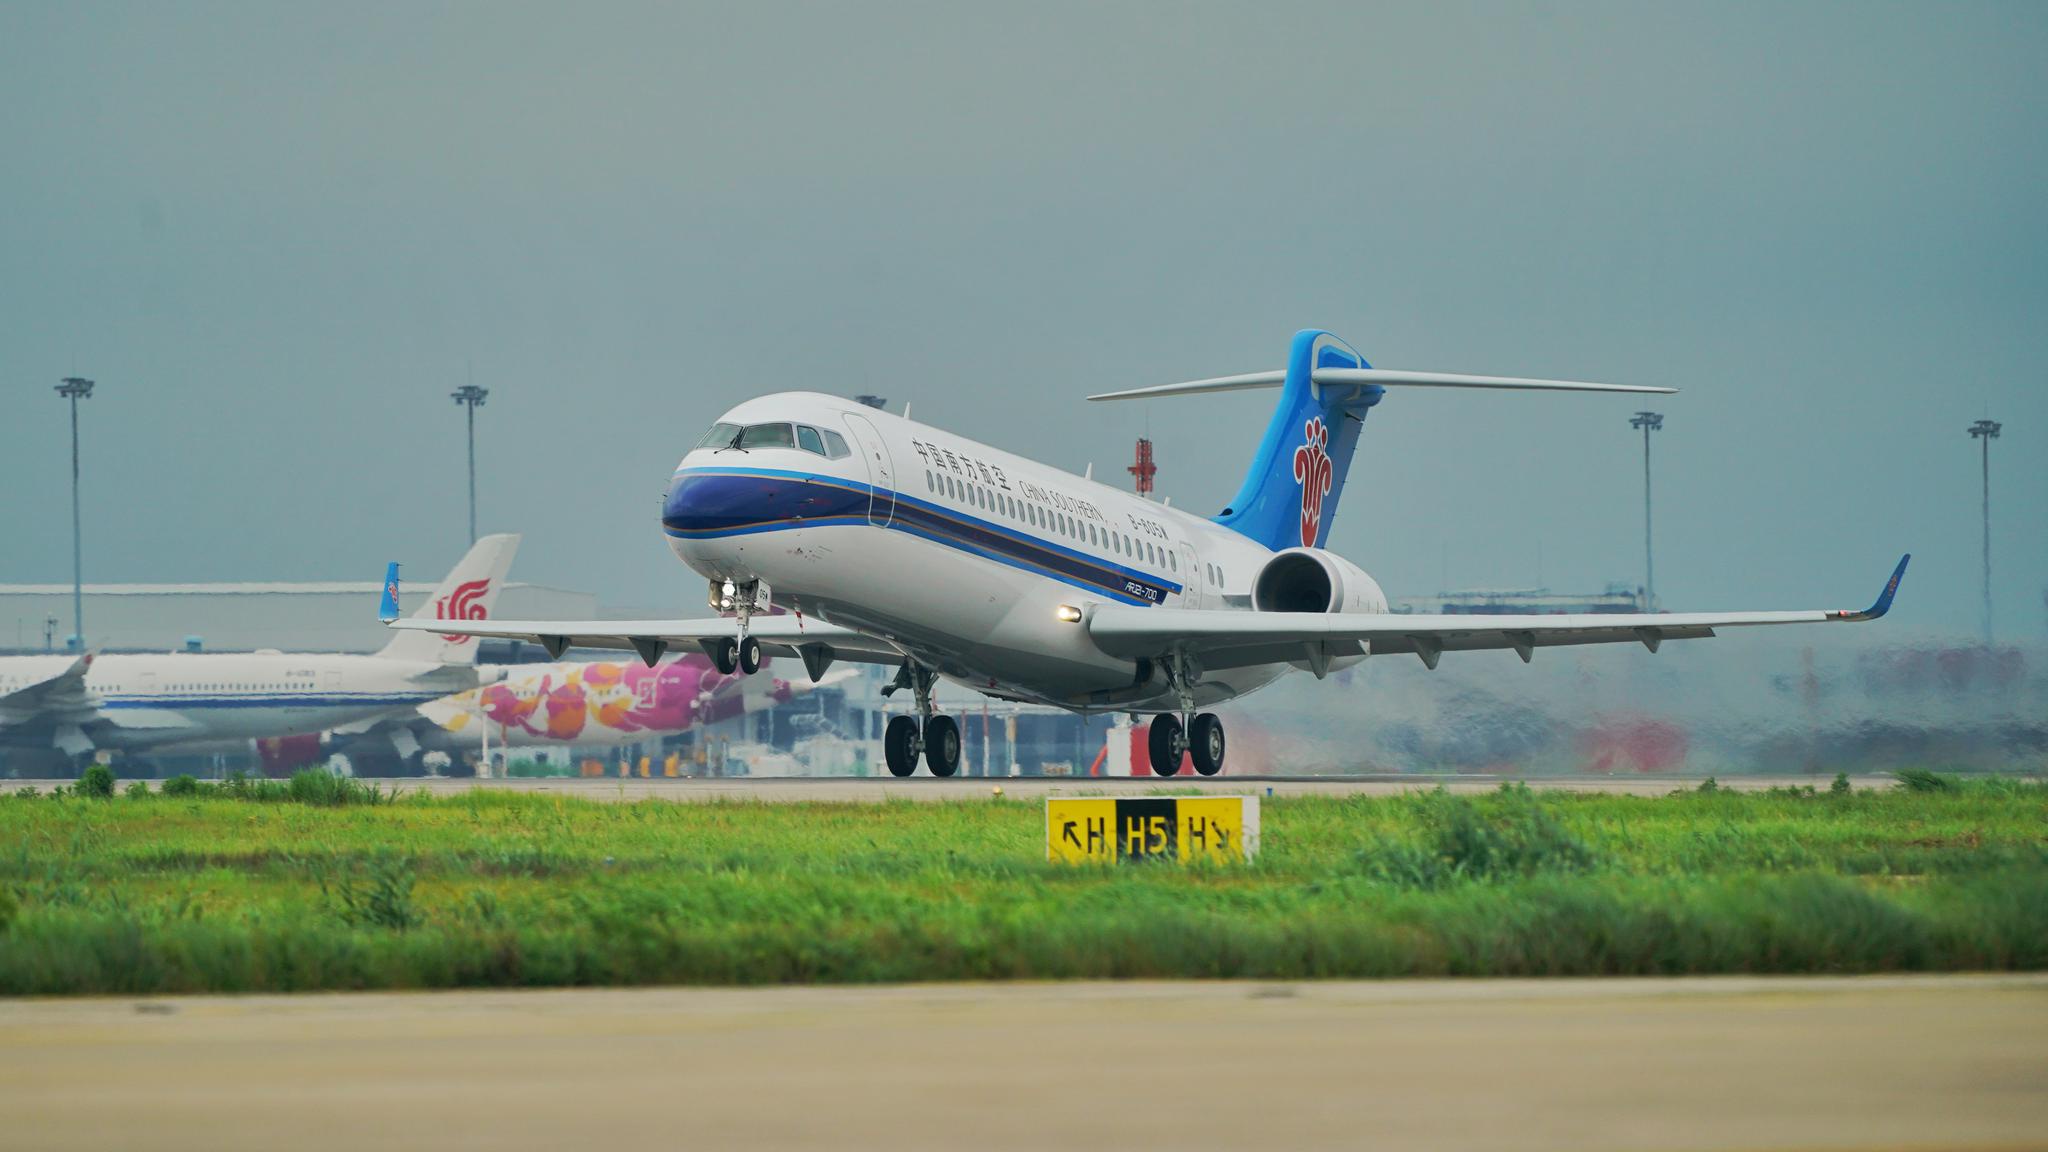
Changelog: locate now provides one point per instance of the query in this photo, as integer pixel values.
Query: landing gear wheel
(1205, 744)
(899, 745)
(726, 656)
(1163, 744)
(942, 745)
(750, 656)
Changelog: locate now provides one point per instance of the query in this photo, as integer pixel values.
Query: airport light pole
(1649, 422)
(473, 397)
(1986, 431)
(74, 389)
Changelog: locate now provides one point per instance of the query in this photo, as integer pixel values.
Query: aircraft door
(1191, 577)
(874, 451)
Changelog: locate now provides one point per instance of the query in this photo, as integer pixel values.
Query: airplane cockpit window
(767, 436)
(720, 436)
(835, 445)
(808, 439)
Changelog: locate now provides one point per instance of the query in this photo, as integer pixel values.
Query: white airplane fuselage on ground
(180, 699)
(198, 702)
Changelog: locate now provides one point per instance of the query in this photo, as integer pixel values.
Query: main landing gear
(936, 738)
(1199, 735)
(1201, 738)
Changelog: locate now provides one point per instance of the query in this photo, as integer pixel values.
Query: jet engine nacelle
(281, 756)
(1313, 580)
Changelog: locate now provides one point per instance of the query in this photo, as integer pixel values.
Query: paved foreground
(870, 789)
(1714, 1063)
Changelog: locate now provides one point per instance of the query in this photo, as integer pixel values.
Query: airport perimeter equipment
(74, 389)
(1984, 432)
(1110, 829)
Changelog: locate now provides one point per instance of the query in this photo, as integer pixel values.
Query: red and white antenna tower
(1143, 468)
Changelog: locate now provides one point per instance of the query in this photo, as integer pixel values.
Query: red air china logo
(465, 603)
(1312, 472)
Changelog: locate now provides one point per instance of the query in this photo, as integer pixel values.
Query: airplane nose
(701, 504)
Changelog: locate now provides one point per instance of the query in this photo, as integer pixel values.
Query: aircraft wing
(814, 641)
(1224, 639)
(61, 694)
(60, 707)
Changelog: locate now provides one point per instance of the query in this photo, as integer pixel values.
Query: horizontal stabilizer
(1378, 377)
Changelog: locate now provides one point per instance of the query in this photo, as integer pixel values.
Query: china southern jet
(60, 709)
(895, 542)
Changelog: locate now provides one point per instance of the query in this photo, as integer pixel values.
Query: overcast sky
(279, 234)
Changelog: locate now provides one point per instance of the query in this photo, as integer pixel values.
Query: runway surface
(1718, 1063)
(870, 789)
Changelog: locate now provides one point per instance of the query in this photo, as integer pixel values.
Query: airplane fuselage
(199, 699)
(960, 553)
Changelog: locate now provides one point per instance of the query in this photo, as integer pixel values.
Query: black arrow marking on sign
(1067, 834)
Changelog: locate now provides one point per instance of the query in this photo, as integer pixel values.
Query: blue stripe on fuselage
(328, 700)
(707, 504)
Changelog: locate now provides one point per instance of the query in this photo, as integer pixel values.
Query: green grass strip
(295, 886)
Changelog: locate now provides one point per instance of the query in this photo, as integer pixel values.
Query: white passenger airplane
(60, 709)
(895, 542)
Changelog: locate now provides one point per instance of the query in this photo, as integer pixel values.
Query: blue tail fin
(387, 607)
(1290, 495)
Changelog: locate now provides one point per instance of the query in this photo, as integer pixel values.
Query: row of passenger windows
(280, 686)
(1051, 520)
(822, 441)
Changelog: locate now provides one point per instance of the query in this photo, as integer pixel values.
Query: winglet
(1884, 599)
(387, 608)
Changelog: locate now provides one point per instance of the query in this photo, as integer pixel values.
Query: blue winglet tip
(387, 606)
(1891, 589)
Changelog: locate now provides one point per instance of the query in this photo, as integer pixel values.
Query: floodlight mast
(1986, 431)
(74, 389)
(472, 397)
(1649, 422)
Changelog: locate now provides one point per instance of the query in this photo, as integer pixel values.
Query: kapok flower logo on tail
(465, 603)
(1312, 471)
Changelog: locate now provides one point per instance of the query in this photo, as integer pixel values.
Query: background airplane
(896, 542)
(588, 705)
(65, 710)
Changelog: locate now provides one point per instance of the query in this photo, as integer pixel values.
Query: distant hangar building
(339, 616)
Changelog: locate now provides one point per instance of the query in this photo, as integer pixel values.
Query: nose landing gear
(740, 653)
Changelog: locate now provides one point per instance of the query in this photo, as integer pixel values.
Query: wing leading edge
(815, 642)
(1238, 639)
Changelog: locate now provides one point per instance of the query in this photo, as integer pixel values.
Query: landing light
(1067, 614)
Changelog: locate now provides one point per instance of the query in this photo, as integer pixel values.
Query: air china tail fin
(1289, 496)
(467, 593)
